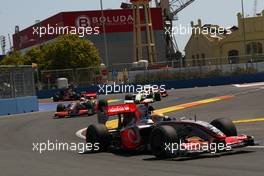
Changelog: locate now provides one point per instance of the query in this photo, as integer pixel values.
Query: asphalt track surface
(19, 132)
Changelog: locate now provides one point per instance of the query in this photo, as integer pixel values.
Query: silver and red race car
(139, 130)
(78, 108)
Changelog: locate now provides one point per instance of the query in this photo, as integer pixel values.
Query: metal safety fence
(16, 81)
(159, 71)
(75, 77)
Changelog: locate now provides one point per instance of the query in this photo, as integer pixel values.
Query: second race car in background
(147, 95)
(79, 108)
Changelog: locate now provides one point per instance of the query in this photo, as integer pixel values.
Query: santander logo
(118, 108)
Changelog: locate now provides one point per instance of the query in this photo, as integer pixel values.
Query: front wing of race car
(197, 146)
(66, 114)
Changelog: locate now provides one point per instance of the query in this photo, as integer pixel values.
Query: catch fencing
(159, 71)
(16, 81)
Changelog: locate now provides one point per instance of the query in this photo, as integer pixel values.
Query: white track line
(79, 133)
(256, 147)
(249, 85)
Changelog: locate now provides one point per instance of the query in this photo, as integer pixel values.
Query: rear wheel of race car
(98, 135)
(60, 107)
(161, 137)
(157, 97)
(56, 98)
(226, 126)
(76, 96)
(129, 97)
(102, 103)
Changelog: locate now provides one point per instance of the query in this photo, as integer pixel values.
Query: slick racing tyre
(88, 105)
(76, 96)
(160, 138)
(157, 97)
(56, 98)
(61, 107)
(98, 133)
(226, 126)
(129, 97)
(102, 103)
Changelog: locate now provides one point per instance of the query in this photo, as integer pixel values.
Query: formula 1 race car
(142, 97)
(163, 136)
(66, 95)
(163, 93)
(85, 107)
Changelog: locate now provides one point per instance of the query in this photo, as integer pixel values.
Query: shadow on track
(201, 156)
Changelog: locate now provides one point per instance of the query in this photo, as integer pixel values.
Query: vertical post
(138, 34)
(138, 25)
(244, 27)
(134, 35)
(105, 39)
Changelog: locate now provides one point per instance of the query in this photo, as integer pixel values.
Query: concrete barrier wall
(18, 105)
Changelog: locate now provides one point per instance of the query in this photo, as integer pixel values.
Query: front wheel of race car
(226, 126)
(56, 98)
(98, 135)
(157, 97)
(129, 97)
(102, 103)
(161, 140)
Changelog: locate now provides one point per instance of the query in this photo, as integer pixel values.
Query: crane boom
(179, 5)
(172, 7)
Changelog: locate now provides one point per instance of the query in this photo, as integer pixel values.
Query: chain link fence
(76, 77)
(159, 71)
(16, 81)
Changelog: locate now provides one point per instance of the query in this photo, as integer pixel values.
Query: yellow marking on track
(249, 120)
(192, 104)
(113, 123)
(113, 101)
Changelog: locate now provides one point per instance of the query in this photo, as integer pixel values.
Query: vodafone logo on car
(118, 109)
(83, 21)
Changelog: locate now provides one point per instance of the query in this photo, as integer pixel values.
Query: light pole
(105, 39)
(244, 26)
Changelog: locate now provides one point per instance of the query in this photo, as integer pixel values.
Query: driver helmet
(157, 118)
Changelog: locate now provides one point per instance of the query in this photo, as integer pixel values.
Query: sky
(24, 13)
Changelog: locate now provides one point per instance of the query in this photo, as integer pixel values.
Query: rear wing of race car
(119, 109)
(89, 94)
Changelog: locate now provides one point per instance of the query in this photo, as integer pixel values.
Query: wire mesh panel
(86, 76)
(5, 85)
(158, 71)
(76, 77)
(16, 81)
(49, 77)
